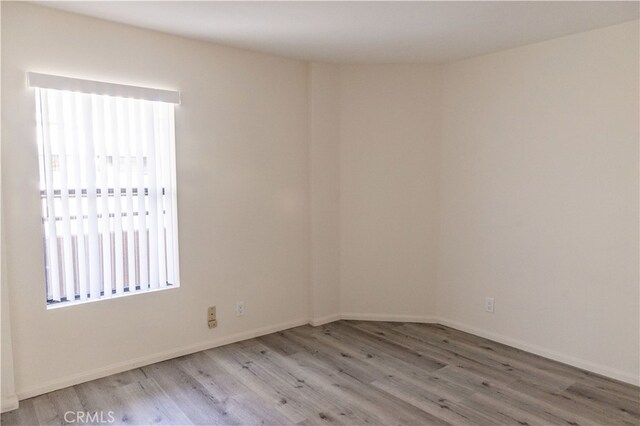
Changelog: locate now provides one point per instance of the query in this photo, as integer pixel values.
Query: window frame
(67, 84)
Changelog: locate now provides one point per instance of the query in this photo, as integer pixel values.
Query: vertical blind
(107, 185)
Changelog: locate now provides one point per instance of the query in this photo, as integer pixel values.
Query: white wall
(536, 188)
(324, 147)
(389, 134)
(8, 399)
(242, 161)
(512, 175)
(539, 198)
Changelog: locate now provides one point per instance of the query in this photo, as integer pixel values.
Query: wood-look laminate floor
(348, 373)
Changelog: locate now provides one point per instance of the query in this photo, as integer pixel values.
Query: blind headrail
(56, 82)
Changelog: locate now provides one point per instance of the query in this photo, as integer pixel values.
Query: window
(107, 185)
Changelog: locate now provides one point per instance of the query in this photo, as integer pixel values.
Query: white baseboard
(387, 317)
(325, 319)
(556, 356)
(151, 359)
(9, 403)
(534, 349)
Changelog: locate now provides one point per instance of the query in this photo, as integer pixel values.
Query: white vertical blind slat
(162, 266)
(149, 137)
(138, 141)
(95, 273)
(50, 219)
(71, 129)
(130, 170)
(65, 224)
(173, 199)
(116, 135)
(103, 183)
(163, 119)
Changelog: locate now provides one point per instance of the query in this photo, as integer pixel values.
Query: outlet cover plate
(489, 304)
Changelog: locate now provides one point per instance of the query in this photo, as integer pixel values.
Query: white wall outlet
(489, 304)
(239, 309)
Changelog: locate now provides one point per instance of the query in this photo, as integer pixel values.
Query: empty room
(320, 212)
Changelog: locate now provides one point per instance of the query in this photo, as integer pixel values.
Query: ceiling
(364, 31)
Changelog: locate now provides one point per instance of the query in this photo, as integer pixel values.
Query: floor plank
(347, 373)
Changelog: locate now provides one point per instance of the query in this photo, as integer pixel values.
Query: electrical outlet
(212, 322)
(239, 309)
(489, 304)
